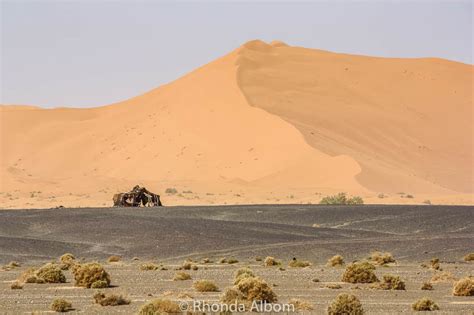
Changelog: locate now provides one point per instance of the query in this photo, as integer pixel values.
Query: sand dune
(265, 123)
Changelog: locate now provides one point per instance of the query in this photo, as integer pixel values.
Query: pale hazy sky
(88, 53)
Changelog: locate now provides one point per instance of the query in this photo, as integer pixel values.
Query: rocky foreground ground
(169, 236)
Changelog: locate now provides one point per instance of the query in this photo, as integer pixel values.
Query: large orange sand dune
(267, 123)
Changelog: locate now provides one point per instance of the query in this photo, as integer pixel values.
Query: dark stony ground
(413, 234)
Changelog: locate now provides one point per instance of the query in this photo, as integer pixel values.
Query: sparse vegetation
(67, 260)
(469, 257)
(48, 273)
(188, 265)
(295, 263)
(271, 261)
(232, 261)
(336, 260)
(442, 277)
(333, 286)
(424, 304)
(391, 283)
(359, 272)
(61, 305)
(256, 289)
(341, 199)
(464, 287)
(181, 276)
(380, 258)
(171, 191)
(301, 305)
(205, 286)
(110, 299)
(86, 274)
(345, 304)
(242, 273)
(149, 266)
(427, 286)
(160, 306)
(16, 285)
(114, 258)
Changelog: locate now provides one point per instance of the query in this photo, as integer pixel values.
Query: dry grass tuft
(110, 299)
(271, 261)
(424, 304)
(149, 266)
(181, 276)
(242, 273)
(334, 286)
(464, 287)
(427, 286)
(359, 272)
(16, 285)
(295, 263)
(469, 257)
(336, 260)
(380, 258)
(256, 289)
(205, 286)
(345, 304)
(160, 306)
(87, 274)
(61, 305)
(391, 283)
(301, 305)
(114, 258)
(444, 276)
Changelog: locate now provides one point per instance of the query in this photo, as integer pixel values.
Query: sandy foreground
(169, 236)
(267, 123)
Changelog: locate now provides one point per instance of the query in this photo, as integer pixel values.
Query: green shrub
(345, 304)
(341, 199)
(359, 272)
(87, 274)
(61, 305)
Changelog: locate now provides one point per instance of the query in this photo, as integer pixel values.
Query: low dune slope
(407, 122)
(197, 133)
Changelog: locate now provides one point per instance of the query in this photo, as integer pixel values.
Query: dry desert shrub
(233, 295)
(16, 285)
(87, 274)
(258, 258)
(110, 299)
(114, 258)
(336, 260)
(149, 266)
(48, 273)
(171, 191)
(427, 286)
(256, 289)
(341, 199)
(469, 257)
(188, 265)
(380, 258)
(295, 263)
(223, 260)
(464, 287)
(391, 283)
(424, 304)
(205, 286)
(66, 261)
(333, 286)
(206, 261)
(11, 265)
(301, 305)
(61, 305)
(242, 273)
(160, 306)
(359, 272)
(345, 304)
(181, 276)
(434, 264)
(271, 261)
(232, 261)
(99, 284)
(444, 276)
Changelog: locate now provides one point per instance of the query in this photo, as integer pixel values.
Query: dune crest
(267, 123)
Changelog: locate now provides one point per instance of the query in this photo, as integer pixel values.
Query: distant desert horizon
(267, 123)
